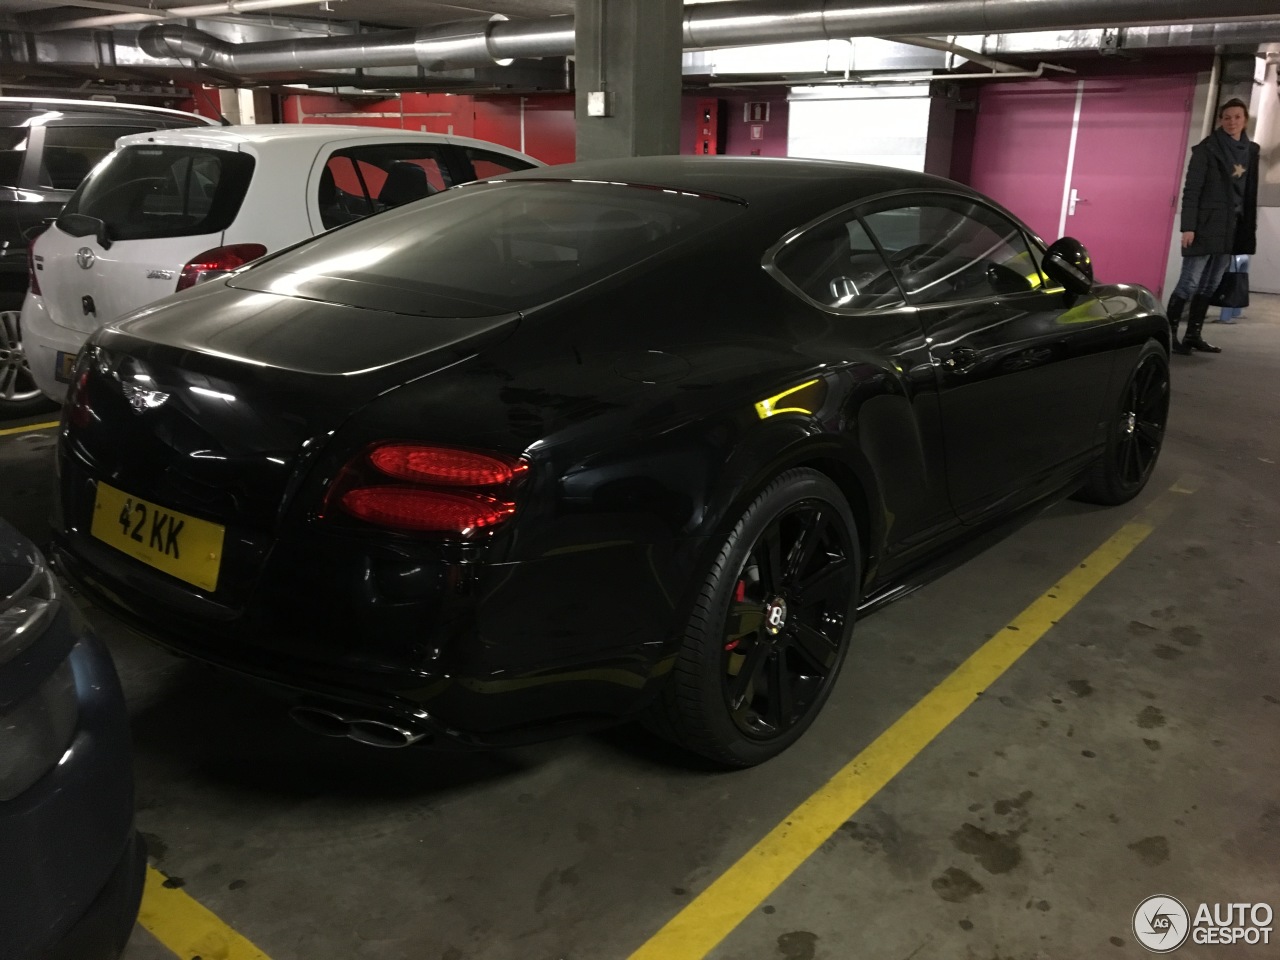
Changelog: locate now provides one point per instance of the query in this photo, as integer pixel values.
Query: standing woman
(1219, 218)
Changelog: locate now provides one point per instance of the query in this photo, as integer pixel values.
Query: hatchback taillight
(217, 262)
(427, 488)
(33, 278)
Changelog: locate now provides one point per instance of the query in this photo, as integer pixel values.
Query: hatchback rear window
(491, 248)
(149, 192)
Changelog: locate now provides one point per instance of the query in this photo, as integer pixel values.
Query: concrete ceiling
(52, 42)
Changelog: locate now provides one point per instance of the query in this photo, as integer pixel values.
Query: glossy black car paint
(72, 862)
(634, 400)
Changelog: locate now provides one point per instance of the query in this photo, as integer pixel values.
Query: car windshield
(146, 192)
(490, 248)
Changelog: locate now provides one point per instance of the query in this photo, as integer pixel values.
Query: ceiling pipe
(706, 26)
(154, 14)
(779, 21)
(950, 46)
(872, 80)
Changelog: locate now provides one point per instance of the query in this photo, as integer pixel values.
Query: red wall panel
(741, 125)
(548, 118)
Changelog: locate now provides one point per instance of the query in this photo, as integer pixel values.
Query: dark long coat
(1209, 202)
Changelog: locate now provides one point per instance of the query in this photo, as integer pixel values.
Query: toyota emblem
(85, 257)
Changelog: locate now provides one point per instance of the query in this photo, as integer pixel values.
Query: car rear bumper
(42, 341)
(503, 660)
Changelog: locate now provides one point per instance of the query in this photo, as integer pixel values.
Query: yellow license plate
(175, 543)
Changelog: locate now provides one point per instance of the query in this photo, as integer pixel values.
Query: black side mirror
(1067, 263)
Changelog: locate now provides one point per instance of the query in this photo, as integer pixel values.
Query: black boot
(1195, 321)
(1174, 313)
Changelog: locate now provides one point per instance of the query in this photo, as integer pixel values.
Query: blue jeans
(1201, 275)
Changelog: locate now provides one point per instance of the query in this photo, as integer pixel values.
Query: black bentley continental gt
(620, 438)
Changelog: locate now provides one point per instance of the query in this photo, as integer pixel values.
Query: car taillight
(79, 413)
(217, 262)
(33, 279)
(440, 489)
(444, 466)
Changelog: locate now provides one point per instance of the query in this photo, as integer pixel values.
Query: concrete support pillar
(627, 72)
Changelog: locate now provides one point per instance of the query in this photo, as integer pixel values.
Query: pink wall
(1126, 163)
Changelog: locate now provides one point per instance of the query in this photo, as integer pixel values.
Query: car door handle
(961, 360)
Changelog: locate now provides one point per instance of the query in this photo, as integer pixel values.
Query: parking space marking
(738, 892)
(186, 927)
(30, 428)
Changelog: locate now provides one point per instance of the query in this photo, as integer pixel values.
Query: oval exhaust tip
(375, 733)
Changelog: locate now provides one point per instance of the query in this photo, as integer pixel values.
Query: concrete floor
(1132, 751)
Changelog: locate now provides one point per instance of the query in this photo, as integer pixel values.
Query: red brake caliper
(739, 596)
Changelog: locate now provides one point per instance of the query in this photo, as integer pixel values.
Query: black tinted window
(146, 192)
(953, 248)
(71, 151)
(359, 181)
(488, 249)
(837, 265)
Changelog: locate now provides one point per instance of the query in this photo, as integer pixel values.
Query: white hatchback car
(169, 209)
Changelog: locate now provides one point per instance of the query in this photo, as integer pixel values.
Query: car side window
(359, 181)
(486, 163)
(71, 151)
(953, 248)
(836, 264)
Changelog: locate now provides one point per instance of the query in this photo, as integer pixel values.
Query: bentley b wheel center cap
(775, 615)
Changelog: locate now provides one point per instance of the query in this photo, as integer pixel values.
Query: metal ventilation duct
(477, 43)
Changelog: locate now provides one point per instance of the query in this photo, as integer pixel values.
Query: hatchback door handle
(961, 360)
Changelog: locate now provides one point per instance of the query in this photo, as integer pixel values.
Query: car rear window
(489, 248)
(146, 192)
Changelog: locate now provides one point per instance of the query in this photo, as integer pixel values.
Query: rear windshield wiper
(80, 225)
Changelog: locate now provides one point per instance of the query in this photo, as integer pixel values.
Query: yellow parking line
(734, 895)
(187, 928)
(29, 428)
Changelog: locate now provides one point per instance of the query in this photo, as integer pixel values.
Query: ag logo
(1161, 924)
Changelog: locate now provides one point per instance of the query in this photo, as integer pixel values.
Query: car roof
(751, 179)
(96, 108)
(236, 136)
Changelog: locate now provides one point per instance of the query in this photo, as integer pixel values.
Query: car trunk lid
(211, 407)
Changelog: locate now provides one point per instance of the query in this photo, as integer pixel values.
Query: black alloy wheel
(1136, 435)
(770, 627)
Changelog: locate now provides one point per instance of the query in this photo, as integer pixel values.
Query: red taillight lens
(79, 413)
(425, 488)
(33, 278)
(218, 261)
(444, 466)
(412, 508)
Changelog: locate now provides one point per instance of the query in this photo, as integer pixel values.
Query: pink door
(1099, 159)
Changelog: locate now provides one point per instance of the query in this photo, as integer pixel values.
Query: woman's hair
(1234, 102)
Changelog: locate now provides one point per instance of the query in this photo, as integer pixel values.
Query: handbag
(1233, 291)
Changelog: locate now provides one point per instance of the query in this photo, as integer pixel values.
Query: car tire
(769, 627)
(19, 395)
(1135, 433)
